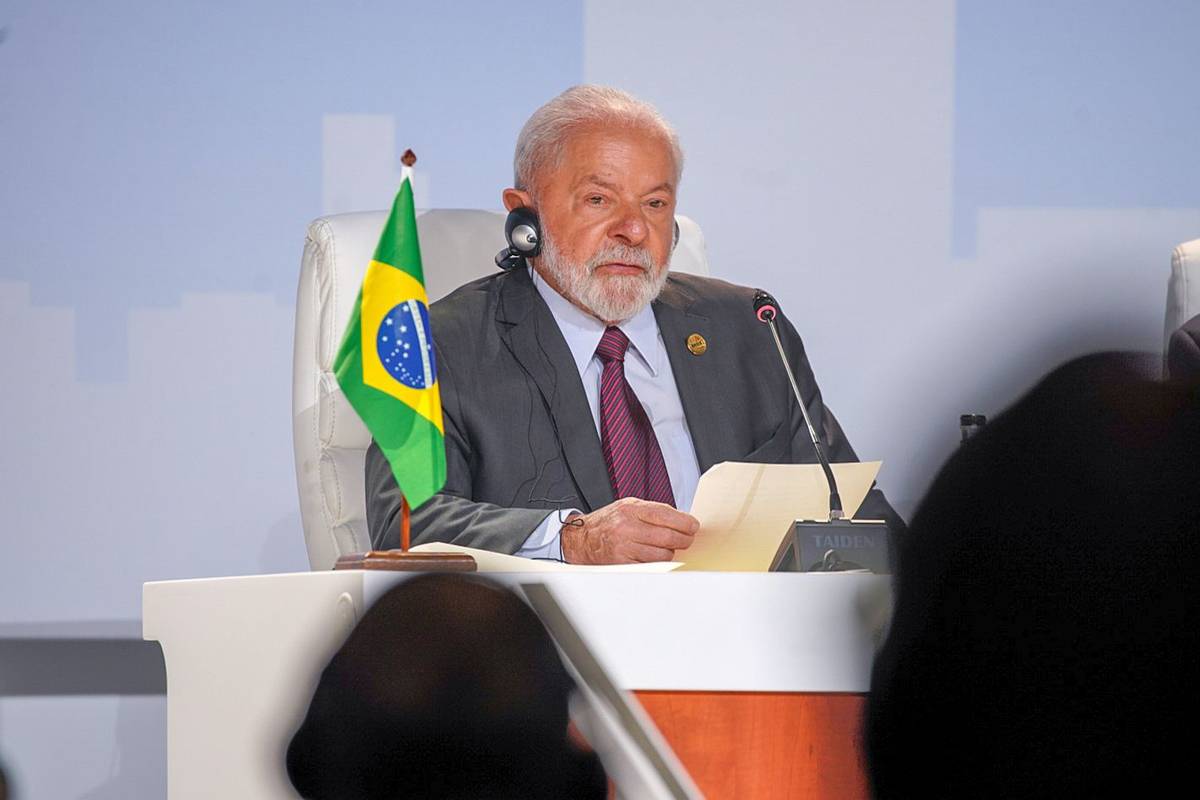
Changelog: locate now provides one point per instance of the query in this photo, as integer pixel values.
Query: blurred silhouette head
(448, 687)
(1045, 614)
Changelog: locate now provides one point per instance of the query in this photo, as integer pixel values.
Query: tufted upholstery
(330, 441)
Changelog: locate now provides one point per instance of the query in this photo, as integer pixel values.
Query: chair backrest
(1183, 288)
(330, 441)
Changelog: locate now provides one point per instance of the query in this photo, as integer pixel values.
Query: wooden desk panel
(765, 745)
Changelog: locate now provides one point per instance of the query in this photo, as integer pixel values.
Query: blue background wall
(949, 198)
(158, 166)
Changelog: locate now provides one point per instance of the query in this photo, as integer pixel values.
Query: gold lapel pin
(697, 345)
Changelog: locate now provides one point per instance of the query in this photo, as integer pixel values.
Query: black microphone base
(836, 546)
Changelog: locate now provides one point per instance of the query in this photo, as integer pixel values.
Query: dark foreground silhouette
(1045, 626)
(449, 687)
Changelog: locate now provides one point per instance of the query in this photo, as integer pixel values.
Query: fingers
(665, 516)
(645, 553)
(661, 538)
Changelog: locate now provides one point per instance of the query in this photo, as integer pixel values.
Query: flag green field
(386, 364)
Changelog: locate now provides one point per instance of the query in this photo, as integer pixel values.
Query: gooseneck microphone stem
(765, 309)
(835, 499)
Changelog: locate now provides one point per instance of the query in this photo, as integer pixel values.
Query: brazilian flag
(386, 365)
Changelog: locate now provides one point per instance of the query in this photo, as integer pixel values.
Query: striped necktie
(631, 452)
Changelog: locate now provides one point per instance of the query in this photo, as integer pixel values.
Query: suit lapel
(699, 378)
(532, 336)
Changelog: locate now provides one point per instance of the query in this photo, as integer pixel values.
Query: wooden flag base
(400, 561)
(404, 560)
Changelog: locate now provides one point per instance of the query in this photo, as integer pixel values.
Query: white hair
(542, 142)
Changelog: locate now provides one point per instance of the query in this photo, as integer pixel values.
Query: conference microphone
(823, 546)
(508, 259)
(767, 309)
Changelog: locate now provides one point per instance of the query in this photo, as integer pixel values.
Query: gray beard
(613, 298)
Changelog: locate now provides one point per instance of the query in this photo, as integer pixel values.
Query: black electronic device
(852, 544)
(523, 232)
(970, 425)
(840, 545)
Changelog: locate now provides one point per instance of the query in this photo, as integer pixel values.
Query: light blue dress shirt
(649, 373)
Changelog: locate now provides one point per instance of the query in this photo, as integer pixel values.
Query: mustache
(624, 254)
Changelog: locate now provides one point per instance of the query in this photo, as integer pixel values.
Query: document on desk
(746, 510)
(487, 561)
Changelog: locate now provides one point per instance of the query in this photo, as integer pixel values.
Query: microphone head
(508, 259)
(765, 307)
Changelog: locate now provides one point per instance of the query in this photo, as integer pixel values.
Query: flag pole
(405, 513)
(403, 560)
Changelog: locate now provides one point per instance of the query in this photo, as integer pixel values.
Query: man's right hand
(627, 531)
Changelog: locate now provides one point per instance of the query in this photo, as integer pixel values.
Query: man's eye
(595, 200)
(658, 203)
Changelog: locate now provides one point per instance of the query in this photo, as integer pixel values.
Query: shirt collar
(583, 332)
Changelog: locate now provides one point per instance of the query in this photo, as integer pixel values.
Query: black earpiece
(523, 233)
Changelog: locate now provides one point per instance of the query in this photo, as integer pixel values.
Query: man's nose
(630, 227)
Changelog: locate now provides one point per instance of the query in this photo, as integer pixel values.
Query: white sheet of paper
(487, 561)
(745, 510)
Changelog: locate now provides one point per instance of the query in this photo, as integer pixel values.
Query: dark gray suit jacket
(520, 437)
(1183, 351)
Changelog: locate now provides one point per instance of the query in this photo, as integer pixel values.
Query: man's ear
(516, 198)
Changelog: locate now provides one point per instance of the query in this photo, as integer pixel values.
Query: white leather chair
(1183, 288)
(329, 439)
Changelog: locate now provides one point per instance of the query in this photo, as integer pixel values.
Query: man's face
(608, 220)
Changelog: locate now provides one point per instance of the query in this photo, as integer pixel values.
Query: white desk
(243, 654)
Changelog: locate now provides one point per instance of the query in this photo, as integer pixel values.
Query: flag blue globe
(405, 347)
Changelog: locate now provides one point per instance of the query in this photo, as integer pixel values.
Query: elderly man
(584, 396)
